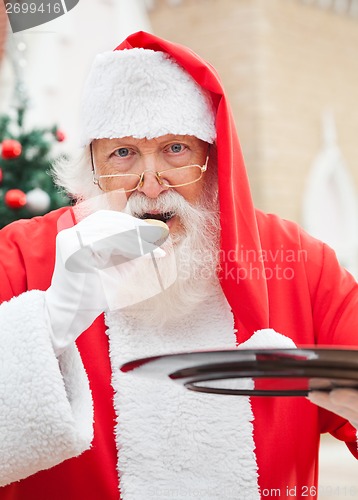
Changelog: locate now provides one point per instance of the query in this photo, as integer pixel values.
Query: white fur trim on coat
(175, 443)
(46, 407)
(268, 339)
(144, 94)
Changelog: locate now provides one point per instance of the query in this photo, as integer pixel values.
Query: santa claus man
(81, 295)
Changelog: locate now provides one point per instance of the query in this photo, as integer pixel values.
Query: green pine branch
(31, 169)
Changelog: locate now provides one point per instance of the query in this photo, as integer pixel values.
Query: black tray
(255, 372)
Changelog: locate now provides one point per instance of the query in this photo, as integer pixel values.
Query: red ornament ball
(15, 198)
(10, 149)
(60, 136)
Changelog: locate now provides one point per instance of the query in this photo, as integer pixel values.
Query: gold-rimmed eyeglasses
(172, 177)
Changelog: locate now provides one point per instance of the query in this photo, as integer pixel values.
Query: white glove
(103, 245)
(342, 402)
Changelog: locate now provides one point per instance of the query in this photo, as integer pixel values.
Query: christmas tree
(26, 186)
(26, 155)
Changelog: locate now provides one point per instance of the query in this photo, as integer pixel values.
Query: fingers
(343, 402)
(106, 239)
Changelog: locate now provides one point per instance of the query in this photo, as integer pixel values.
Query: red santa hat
(144, 94)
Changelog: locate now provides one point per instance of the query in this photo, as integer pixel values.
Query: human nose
(150, 183)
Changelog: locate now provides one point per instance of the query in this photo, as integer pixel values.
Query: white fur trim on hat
(143, 94)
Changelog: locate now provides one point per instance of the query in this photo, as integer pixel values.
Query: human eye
(176, 148)
(122, 152)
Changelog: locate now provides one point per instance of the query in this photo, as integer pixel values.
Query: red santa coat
(273, 275)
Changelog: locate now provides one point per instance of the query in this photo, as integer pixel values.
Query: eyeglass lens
(170, 178)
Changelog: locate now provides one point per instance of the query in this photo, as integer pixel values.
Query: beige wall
(311, 64)
(282, 63)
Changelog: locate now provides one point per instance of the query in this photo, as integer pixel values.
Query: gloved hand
(342, 402)
(104, 244)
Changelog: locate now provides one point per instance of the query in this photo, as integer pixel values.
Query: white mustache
(139, 204)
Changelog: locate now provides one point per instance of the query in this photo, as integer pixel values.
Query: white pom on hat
(143, 93)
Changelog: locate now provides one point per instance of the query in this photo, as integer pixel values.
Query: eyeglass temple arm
(95, 181)
(205, 166)
(91, 154)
